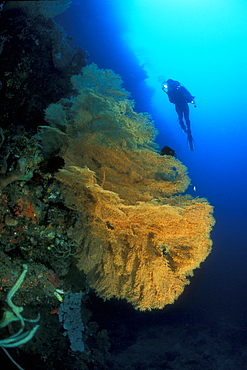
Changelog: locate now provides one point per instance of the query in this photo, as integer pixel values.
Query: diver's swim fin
(190, 140)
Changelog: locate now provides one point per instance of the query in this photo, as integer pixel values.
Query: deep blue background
(203, 45)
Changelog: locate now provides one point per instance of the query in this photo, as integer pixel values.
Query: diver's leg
(179, 111)
(186, 112)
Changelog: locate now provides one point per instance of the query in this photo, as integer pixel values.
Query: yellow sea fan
(141, 252)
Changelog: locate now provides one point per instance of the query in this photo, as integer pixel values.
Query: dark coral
(37, 60)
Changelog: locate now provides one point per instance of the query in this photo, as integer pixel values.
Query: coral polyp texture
(140, 237)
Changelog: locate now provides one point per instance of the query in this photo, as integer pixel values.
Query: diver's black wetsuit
(180, 96)
(182, 110)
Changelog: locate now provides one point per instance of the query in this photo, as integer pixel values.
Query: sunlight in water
(200, 44)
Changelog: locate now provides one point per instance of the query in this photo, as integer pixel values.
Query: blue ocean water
(202, 45)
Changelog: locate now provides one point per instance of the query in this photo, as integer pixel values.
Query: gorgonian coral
(140, 237)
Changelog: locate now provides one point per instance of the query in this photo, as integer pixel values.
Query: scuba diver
(180, 96)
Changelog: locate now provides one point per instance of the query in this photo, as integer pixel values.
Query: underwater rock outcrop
(37, 60)
(48, 9)
(140, 238)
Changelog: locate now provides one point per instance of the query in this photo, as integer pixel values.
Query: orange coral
(134, 175)
(139, 240)
(142, 251)
(27, 210)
